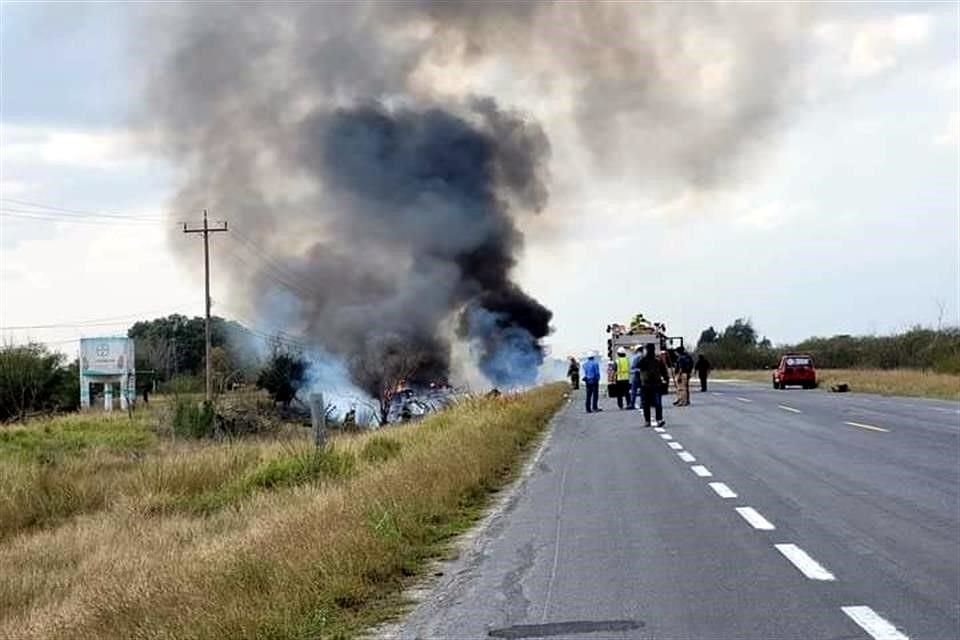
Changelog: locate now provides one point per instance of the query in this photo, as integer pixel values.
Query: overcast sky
(849, 222)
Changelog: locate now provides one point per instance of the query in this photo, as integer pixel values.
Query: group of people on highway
(646, 376)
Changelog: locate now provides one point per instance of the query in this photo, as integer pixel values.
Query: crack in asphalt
(511, 587)
(562, 628)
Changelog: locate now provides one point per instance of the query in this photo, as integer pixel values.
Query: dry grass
(900, 382)
(283, 544)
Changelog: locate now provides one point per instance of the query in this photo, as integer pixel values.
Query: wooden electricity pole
(206, 231)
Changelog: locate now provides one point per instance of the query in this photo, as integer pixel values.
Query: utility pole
(206, 231)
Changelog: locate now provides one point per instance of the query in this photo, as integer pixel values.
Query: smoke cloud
(386, 156)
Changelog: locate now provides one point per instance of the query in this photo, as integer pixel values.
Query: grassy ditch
(897, 382)
(261, 540)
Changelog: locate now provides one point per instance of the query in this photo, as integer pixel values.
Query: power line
(92, 321)
(65, 326)
(266, 271)
(81, 212)
(42, 216)
(267, 259)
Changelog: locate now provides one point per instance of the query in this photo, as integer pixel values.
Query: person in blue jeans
(591, 380)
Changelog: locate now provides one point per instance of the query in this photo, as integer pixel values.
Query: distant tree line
(170, 352)
(173, 347)
(33, 379)
(739, 347)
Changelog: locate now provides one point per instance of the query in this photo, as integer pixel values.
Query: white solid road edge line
(686, 456)
(723, 490)
(867, 426)
(756, 520)
(675, 445)
(801, 560)
(873, 624)
(791, 409)
(701, 471)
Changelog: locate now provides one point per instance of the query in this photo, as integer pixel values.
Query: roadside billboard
(106, 356)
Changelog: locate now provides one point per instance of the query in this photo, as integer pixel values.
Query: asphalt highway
(755, 513)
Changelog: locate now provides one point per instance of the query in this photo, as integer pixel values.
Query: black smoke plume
(426, 195)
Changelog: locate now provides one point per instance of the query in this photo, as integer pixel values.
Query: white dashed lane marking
(867, 426)
(723, 490)
(872, 623)
(744, 399)
(714, 393)
(865, 617)
(801, 560)
(756, 520)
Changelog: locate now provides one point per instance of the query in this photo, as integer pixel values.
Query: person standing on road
(684, 369)
(591, 379)
(653, 376)
(622, 364)
(703, 370)
(573, 372)
(635, 376)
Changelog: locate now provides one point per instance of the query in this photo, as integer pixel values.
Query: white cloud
(26, 145)
(866, 48)
(945, 78)
(950, 136)
(10, 188)
(766, 216)
(877, 45)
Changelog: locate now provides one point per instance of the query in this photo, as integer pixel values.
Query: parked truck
(639, 333)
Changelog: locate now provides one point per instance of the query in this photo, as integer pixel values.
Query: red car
(795, 369)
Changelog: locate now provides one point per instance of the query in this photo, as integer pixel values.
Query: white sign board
(106, 356)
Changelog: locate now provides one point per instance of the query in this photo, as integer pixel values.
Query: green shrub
(192, 419)
(380, 449)
(326, 463)
(948, 363)
(183, 384)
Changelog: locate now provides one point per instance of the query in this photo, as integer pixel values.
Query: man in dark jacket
(573, 372)
(653, 377)
(683, 371)
(703, 369)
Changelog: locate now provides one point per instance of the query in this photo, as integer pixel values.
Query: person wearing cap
(591, 380)
(622, 364)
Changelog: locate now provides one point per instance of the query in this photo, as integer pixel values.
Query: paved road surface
(838, 517)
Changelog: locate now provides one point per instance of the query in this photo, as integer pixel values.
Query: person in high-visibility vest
(623, 378)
